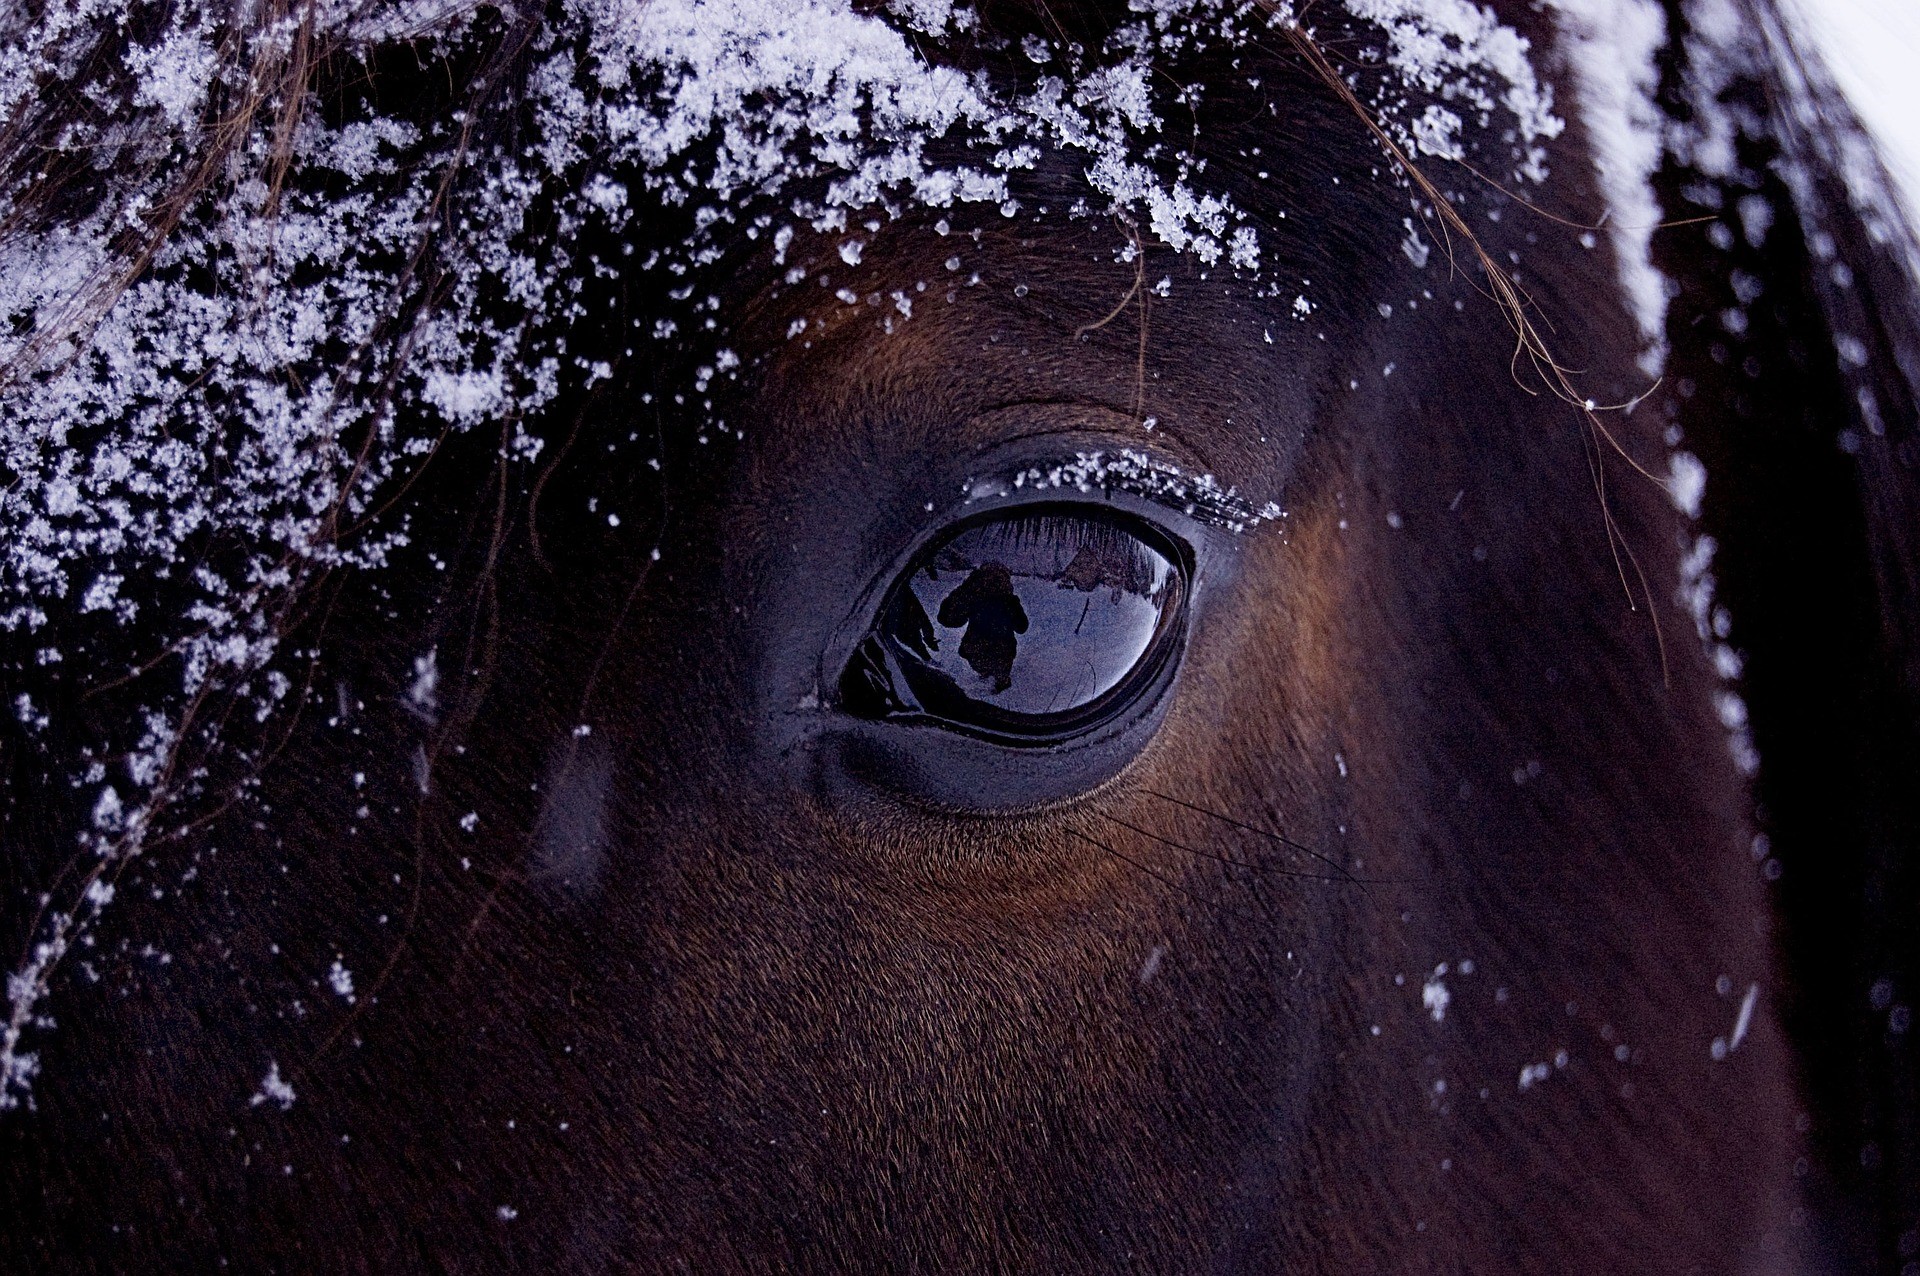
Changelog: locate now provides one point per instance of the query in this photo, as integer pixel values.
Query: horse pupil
(1033, 624)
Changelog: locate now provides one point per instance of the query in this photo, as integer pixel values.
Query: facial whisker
(1253, 886)
(1159, 877)
(1281, 838)
(1212, 855)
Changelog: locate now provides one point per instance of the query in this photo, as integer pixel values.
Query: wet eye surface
(1027, 627)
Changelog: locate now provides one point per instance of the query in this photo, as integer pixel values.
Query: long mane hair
(1807, 417)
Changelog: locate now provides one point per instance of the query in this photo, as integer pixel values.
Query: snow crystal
(29, 716)
(1243, 250)
(1686, 482)
(1414, 248)
(109, 814)
(1434, 995)
(423, 691)
(1744, 1020)
(273, 1089)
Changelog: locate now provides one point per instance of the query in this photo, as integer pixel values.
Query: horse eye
(1027, 627)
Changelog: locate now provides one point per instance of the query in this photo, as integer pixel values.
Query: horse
(1276, 639)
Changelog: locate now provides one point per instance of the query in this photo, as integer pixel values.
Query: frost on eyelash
(1198, 496)
(278, 365)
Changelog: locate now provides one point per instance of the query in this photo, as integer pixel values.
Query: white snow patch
(1461, 52)
(1713, 624)
(1686, 482)
(340, 979)
(273, 1089)
(1871, 48)
(1611, 45)
(1744, 1020)
(174, 76)
(466, 397)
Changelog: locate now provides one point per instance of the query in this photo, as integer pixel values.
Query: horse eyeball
(1026, 627)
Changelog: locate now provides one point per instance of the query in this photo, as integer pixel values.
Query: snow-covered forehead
(719, 62)
(846, 74)
(710, 105)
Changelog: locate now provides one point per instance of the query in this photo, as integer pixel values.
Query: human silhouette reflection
(991, 612)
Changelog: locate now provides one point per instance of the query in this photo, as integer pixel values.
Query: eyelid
(1041, 430)
(1044, 434)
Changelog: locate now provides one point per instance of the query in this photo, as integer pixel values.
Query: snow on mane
(1611, 46)
(1459, 52)
(279, 362)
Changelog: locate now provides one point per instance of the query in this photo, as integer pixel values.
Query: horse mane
(1807, 418)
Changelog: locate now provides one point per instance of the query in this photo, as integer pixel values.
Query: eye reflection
(1035, 624)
